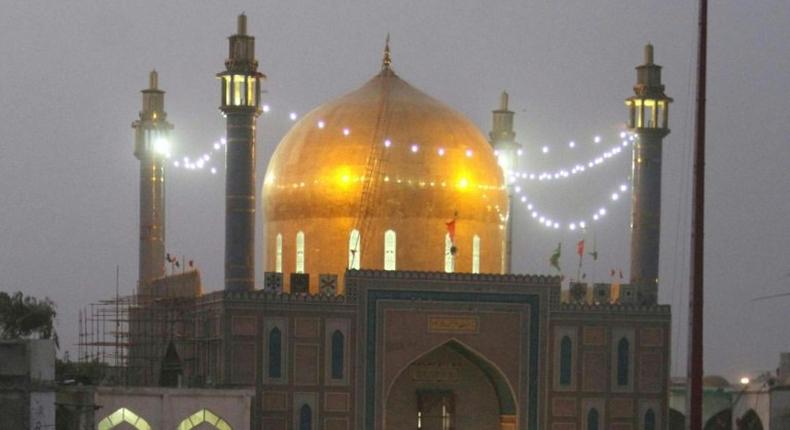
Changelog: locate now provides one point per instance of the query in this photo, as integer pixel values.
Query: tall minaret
(240, 104)
(151, 147)
(503, 139)
(649, 120)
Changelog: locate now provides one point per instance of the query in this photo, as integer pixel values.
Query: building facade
(386, 302)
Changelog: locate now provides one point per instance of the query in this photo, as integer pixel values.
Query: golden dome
(383, 157)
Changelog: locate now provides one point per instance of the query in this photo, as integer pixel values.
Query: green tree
(25, 317)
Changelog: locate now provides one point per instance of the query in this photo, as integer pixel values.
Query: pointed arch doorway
(450, 388)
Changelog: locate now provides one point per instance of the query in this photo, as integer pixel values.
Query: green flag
(554, 260)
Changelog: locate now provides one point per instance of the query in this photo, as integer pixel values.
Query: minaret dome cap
(153, 80)
(241, 24)
(649, 53)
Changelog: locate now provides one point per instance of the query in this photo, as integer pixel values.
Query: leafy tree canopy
(24, 317)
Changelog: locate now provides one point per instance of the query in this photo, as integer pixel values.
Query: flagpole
(580, 251)
(595, 258)
(696, 295)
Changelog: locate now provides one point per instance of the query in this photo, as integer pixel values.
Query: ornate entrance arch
(203, 416)
(122, 415)
(451, 387)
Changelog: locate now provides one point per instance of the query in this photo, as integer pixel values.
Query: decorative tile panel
(306, 327)
(594, 336)
(563, 407)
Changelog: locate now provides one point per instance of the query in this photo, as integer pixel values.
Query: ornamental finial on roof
(385, 63)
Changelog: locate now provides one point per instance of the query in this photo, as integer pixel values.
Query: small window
(278, 262)
(650, 420)
(476, 254)
(251, 96)
(275, 353)
(566, 360)
(305, 418)
(300, 252)
(390, 244)
(592, 419)
(354, 249)
(338, 354)
(238, 92)
(622, 361)
(449, 258)
(227, 86)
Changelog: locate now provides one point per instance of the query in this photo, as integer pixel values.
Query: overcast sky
(71, 73)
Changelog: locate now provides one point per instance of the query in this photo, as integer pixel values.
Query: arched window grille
(300, 252)
(338, 354)
(476, 254)
(120, 416)
(354, 249)
(305, 418)
(566, 360)
(390, 246)
(449, 258)
(275, 353)
(592, 419)
(650, 420)
(278, 261)
(203, 416)
(622, 361)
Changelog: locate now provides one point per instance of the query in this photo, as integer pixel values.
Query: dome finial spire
(385, 63)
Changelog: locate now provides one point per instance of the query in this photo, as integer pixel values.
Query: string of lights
(203, 162)
(567, 172)
(577, 222)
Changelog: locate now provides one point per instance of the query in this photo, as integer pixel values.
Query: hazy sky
(72, 71)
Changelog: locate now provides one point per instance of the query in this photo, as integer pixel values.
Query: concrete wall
(780, 409)
(165, 408)
(27, 390)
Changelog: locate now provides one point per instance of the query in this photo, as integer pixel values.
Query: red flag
(451, 229)
(613, 273)
(580, 248)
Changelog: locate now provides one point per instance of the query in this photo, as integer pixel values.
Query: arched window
(278, 261)
(300, 252)
(566, 358)
(123, 415)
(592, 419)
(338, 354)
(650, 420)
(305, 418)
(390, 246)
(354, 249)
(622, 361)
(275, 353)
(203, 416)
(476, 254)
(449, 258)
